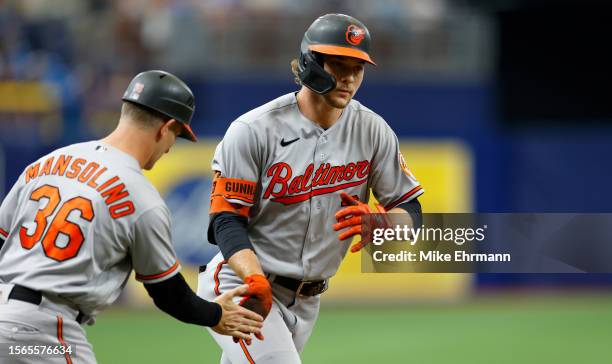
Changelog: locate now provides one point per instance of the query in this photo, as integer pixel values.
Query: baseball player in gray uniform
(78, 221)
(288, 175)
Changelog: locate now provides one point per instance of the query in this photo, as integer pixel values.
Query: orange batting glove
(258, 298)
(349, 218)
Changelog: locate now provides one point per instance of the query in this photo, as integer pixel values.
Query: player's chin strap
(350, 218)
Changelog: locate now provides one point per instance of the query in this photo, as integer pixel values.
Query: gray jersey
(300, 169)
(79, 220)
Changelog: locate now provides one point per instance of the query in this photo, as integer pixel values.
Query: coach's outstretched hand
(235, 320)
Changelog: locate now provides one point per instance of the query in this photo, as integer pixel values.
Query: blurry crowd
(85, 51)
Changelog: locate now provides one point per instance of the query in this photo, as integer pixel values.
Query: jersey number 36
(60, 224)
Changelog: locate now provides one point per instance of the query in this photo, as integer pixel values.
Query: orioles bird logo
(404, 166)
(354, 34)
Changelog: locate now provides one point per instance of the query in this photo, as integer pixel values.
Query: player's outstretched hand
(259, 298)
(349, 218)
(235, 320)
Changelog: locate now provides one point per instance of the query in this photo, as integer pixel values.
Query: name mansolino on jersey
(86, 172)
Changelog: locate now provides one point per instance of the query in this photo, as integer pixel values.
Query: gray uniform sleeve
(392, 181)
(238, 155)
(152, 253)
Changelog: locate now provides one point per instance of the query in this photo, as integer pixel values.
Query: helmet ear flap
(312, 74)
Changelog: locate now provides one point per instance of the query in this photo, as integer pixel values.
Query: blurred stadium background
(501, 106)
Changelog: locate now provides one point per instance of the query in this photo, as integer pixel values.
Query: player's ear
(175, 126)
(166, 127)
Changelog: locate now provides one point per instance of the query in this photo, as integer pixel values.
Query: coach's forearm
(245, 263)
(175, 297)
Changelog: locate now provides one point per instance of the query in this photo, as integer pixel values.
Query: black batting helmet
(333, 34)
(165, 93)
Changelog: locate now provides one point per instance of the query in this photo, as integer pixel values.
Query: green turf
(508, 330)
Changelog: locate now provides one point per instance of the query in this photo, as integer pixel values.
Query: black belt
(26, 294)
(302, 288)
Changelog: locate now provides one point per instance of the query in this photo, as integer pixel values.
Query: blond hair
(295, 71)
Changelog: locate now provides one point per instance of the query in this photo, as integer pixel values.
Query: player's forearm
(245, 263)
(231, 234)
(413, 208)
